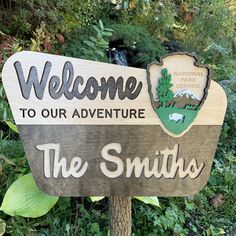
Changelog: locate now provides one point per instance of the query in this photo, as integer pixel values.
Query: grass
(173, 126)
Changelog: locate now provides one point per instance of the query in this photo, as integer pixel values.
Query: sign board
(91, 128)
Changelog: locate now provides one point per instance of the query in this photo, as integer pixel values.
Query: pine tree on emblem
(164, 92)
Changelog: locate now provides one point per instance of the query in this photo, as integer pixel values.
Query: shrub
(228, 135)
(90, 43)
(142, 47)
(24, 16)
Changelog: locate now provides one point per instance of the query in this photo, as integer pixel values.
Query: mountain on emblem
(178, 88)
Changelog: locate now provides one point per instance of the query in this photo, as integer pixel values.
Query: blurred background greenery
(134, 33)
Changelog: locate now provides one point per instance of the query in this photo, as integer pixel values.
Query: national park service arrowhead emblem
(178, 87)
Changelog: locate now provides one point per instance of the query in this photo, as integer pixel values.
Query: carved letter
(46, 156)
(111, 158)
(137, 165)
(76, 168)
(32, 80)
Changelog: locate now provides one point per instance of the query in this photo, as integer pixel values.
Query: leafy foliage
(157, 17)
(93, 43)
(27, 15)
(228, 135)
(144, 31)
(214, 208)
(6, 118)
(97, 46)
(216, 17)
(161, 222)
(142, 47)
(22, 17)
(23, 198)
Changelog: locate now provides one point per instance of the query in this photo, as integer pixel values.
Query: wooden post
(120, 215)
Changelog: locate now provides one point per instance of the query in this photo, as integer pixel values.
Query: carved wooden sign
(91, 128)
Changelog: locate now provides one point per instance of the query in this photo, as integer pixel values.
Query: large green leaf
(149, 200)
(96, 199)
(12, 126)
(107, 33)
(24, 198)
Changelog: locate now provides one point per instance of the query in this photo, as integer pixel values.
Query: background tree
(164, 92)
(145, 30)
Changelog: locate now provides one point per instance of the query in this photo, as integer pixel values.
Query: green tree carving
(164, 92)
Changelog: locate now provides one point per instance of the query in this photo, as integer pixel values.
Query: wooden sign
(91, 128)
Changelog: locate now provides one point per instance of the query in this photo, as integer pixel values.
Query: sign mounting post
(120, 215)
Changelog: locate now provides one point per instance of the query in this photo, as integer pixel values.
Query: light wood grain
(212, 112)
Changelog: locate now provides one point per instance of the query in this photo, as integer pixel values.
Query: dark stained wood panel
(142, 141)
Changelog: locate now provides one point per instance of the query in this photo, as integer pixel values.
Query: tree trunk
(120, 215)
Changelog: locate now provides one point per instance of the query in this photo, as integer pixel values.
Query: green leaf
(89, 43)
(24, 198)
(97, 29)
(12, 126)
(7, 160)
(101, 25)
(107, 34)
(100, 53)
(96, 199)
(95, 228)
(1, 91)
(190, 206)
(2, 227)
(103, 43)
(107, 29)
(93, 39)
(149, 200)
